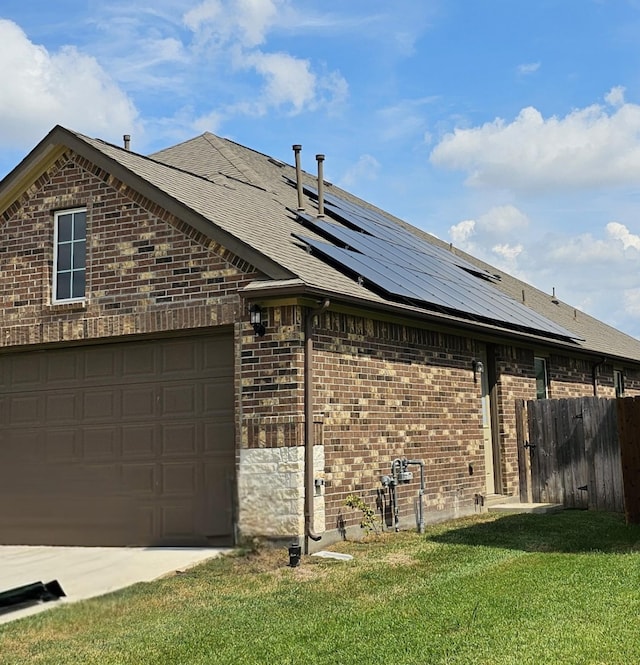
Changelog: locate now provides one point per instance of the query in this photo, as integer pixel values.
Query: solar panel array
(389, 259)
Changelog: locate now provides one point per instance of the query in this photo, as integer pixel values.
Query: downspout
(594, 375)
(308, 424)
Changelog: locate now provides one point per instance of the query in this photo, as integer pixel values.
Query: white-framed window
(69, 257)
(618, 382)
(542, 378)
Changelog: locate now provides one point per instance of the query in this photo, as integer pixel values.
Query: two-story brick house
(207, 344)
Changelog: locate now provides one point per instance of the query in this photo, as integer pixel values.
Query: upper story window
(618, 382)
(69, 263)
(542, 378)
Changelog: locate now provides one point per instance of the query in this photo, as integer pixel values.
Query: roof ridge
(223, 146)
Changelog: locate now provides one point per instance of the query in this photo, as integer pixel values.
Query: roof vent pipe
(296, 151)
(127, 141)
(320, 160)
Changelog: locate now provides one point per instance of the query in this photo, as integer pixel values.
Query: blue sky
(511, 129)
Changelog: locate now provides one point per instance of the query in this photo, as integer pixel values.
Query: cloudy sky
(511, 129)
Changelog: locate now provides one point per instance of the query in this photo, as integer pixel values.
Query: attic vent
(126, 138)
(277, 162)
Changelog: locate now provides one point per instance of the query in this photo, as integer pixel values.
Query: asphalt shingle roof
(248, 196)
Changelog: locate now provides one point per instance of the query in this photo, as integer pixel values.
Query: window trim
(618, 373)
(54, 282)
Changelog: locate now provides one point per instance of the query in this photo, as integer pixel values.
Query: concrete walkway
(86, 572)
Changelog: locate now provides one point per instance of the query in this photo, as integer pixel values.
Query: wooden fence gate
(569, 452)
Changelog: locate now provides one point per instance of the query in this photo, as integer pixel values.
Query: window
(540, 365)
(618, 382)
(69, 263)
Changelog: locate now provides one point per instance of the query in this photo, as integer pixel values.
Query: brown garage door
(118, 444)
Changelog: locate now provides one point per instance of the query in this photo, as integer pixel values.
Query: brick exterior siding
(146, 270)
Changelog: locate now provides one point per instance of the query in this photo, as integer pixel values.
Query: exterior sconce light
(255, 317)
(478, 369)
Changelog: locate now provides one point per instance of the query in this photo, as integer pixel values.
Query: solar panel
(374, 223)
(400, 265)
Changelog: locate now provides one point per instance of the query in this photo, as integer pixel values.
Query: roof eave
(297, 288)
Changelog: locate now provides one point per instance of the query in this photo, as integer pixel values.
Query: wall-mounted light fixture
(255, 317)
(478, 369)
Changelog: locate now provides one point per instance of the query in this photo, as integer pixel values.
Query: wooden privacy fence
(582, 453)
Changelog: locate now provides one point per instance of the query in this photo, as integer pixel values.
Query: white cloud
(240, 21)
(508, 252)
(233, 29)
(478, 237)
(462, 232)
(620, 232)
(596, 146)
(366, 168)
(631, 299)
(615, 96)
(41, 89)
(528, 68)
(288, 80)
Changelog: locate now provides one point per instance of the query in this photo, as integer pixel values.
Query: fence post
(628, 411)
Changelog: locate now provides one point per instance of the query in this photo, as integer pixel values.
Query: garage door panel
(178, 400)
(138, 441)
(99, 405)
(61, 369)
(178, 520)
(60, 406)
(100, 362)
(215, 433)
(179, 479)
(100, 443)
(24, 371)
(139, 362)
(139, 402)
(116, 444)
(218, 476)
(179, 439)
(61, 445)
(217, 357)
(178, 357)
(25, 409)
(140, 478)
(217, 397)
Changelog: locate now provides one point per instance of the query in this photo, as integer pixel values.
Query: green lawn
(543, 589)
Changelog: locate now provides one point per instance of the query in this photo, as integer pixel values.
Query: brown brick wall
(147, 271)
(272, 381)
(387, 391)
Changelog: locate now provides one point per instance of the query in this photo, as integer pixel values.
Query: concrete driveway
(85, 572)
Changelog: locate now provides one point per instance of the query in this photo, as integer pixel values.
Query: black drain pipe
(308, 424)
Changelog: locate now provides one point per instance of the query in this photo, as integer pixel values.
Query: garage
(128, 443)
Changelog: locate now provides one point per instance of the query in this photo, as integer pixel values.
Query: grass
(559, 588)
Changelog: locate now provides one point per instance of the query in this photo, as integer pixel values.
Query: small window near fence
(618, 382)
(542, 382)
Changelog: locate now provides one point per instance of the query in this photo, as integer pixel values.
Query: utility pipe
(308, 424)
(296, 151)
(320, 160)
(420, 494)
